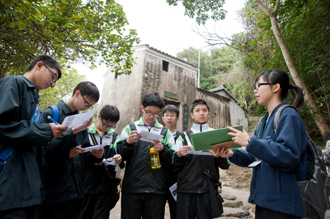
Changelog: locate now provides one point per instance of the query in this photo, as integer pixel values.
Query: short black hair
(110, 113)
(152, 99)
(171, 108)
(88, 89)
(197, 102)
(326, 136)
(49, 61)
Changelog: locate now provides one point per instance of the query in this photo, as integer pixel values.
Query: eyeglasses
(54, 78)
(86, 103)
(259, 84)
(108, 126)
(152, 114)
(170, 116)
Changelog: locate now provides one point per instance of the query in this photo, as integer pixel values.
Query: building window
(165, 66)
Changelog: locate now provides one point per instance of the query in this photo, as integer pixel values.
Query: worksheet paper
(78, 119)
(173, 191)
(149, 136)
(95, 147)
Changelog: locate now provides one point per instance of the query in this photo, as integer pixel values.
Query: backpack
(56, 113)
(313, 189)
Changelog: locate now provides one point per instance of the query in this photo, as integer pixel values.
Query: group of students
(46, 174)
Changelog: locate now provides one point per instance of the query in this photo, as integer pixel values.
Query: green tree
(75, 30)
(62, 90)
(199, 9)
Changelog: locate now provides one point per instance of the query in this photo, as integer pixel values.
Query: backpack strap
(132, 126)
(278, 115)
(6, 154)
(56, 113)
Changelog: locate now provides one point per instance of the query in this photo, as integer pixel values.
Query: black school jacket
(190, 168)
(63, 176)
(20, 183)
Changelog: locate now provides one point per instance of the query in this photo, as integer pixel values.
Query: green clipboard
(205, 141)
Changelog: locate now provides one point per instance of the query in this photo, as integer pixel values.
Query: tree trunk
(321, 123)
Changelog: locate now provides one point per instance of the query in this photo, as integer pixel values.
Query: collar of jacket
(66, 108)
(140, 122)
(200, 128)
(92, 129)
(28, 82)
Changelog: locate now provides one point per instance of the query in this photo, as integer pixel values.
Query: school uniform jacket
(274, 185)
(139, 176)
(96, 179)
(190, 168)
(63, 176)
(20, 183)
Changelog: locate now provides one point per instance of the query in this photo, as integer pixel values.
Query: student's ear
(99, 117)
(276, 88)
(192, 115)
(141, 107)
(39, 65)
(76, 94)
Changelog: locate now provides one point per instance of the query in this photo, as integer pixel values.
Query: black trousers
(262, 213)
(18, 213)
(95, 206)
(194, 206)
(64, 210)
(135, 205)
(172, 204)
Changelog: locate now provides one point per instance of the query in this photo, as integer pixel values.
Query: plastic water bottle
(154, 157)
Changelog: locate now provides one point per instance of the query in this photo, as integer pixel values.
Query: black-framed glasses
(86, 103)
(54, 77)
(151, 114)
(108, 126)
(260, 84)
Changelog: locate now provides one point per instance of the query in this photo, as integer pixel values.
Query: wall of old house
(178, 80)
(238, 114)
(124, 92)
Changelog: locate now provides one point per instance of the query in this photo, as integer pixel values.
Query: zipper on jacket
(201, 128)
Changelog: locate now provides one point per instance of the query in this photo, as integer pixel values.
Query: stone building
(173, 79)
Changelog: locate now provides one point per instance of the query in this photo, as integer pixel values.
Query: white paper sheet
(96, 147)
(173, 190)
(149, 136)
(78, 119)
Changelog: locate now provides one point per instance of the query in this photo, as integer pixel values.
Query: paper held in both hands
(204, 141)
(149, 136)
(78, 119)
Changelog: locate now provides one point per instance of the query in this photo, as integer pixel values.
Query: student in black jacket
(20, 182)
(170, 118)
(63, 159)
(198, 172)
(98, 200)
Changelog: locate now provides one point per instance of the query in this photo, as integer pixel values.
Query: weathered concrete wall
(124, 92)
(177, 80)
(219, 109)
(238, 115)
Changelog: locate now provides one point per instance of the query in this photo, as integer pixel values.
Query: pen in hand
(50, 118)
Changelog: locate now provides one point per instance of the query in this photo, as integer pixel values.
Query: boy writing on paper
(63, 160)
(21, 135)
(143, 192)
(170, 118)
(198, 172)
(98, 195)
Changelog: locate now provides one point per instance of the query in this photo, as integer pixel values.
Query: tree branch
(263, 7)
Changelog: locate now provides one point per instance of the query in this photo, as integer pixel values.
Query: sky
(166, 28)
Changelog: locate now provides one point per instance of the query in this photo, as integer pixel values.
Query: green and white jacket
(139, 176)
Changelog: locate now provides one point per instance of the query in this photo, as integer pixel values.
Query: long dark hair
(280, 77)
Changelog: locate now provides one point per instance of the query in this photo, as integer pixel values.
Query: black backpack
(313, 189)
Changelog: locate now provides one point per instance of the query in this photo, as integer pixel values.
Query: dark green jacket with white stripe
(139, 176)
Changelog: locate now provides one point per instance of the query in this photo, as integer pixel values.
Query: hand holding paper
(78, 119)
(96, 147)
